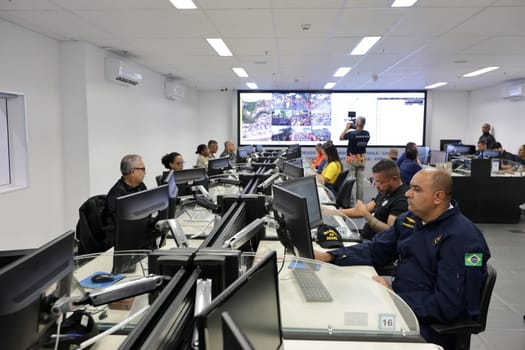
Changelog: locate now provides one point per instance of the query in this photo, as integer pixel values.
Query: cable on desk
(282, 265)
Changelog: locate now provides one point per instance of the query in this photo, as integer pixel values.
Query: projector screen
(280, 118)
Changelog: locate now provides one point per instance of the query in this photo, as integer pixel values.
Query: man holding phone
(356, 150)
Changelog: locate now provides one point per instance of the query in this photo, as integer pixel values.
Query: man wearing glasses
(133, 172)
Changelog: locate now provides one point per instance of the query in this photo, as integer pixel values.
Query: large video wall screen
(308, 117)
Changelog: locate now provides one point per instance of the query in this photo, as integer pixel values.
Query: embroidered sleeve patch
(474, 259)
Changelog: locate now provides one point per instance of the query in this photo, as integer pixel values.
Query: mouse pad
(87, 283)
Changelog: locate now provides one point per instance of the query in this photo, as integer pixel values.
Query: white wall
(29, 63)
(506, 117)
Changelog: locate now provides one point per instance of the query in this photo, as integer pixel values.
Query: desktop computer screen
(423, 154)
(437, 157)
(253, 302)
(25, 285)
(291, 211)
(307, 188)
(292, 170)
(218, 165)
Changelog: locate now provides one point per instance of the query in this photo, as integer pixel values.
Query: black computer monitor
(137, 214)
(259, 148)
(307, 188)
(233, 337)
(218, 165)
(437, 157)
(236, 222)
(292, 170)
(291, 211)
(255, 291)
(293, 151)
(423, 154)
(243, 152)
(168, 178)
(444, 142)
(26, 284)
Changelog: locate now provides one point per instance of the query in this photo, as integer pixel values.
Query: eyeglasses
(143, 169)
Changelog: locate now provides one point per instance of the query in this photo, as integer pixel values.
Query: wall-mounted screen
(309, 117)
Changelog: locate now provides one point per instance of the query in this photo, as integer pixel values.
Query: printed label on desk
(387, 322)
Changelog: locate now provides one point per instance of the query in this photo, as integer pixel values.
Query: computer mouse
(102, 277)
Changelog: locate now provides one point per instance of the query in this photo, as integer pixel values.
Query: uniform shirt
(332, 171)
(202, 162)
(441, 264)
(407, 169)
(394, 203)
(357, 141)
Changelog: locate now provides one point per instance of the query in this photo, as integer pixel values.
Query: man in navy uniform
(442, 256)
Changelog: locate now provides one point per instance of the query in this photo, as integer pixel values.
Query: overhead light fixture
(479, 72)
(183, 4)
(329, 85)
(241, 73)
(219, 46)
(364, 45)
(403, 3)
(341, 72)
(252, 86)
(436, 85)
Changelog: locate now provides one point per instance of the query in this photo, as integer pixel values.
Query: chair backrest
(340, 179)
(486, 294)
(90, 227)
(344, 195)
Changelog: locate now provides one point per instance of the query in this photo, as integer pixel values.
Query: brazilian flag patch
(474, 259)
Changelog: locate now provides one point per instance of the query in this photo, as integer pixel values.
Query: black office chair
(343, 198)
(464, 329)
(340, 179)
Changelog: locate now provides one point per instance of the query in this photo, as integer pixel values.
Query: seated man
(381, 212)
(442, 256)
(133, 171)
(229, 151)
(480, 149)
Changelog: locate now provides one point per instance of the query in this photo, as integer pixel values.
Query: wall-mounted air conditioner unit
(514, 92)
(173, 90)
(121, 72)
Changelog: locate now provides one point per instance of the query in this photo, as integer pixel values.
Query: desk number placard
(387, 322)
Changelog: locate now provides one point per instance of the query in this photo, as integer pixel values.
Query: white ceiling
(435, 40)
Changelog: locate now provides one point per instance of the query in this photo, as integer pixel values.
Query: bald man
(442, 256)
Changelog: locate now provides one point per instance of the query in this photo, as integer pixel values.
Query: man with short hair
(442, 256)
(133, 171)
(486, 136)
(213, 147)
(404, 154)
(229, 151)
(381, 212)
(410, 165)
(356, 152)
(481, 147)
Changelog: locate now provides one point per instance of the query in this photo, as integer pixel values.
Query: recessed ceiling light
(329, 85)
(342, 71)
(403, 3)
(364, 45)
(240, 72)
(219, 46)
(435, 85)
(479, 72)
(183, 4)
(251, 85)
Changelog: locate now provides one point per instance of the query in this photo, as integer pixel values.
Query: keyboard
(311, 286)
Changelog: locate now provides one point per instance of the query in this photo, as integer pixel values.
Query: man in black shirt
(133, 172)
(490, 141)
(381, 212)
(356, 152)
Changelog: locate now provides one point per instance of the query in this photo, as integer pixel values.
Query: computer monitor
(437, 157)
(236, 222)
(307, 188)
(233, 337)
(137, 214)
(168, 178)
(255, 291)
(292, 170)
(243, 152)
(291, 211)
(491, 153)
(25, 286)
(218, 165)
(444, 142)
(456, 150)
(423, 154)
(259, 148)
(293, 151)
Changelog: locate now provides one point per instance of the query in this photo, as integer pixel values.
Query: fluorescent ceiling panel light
(364, 45)
(251, 85)
(241, 73)
(479, 72)
(329, 85)
(183, 4)
(342, 71)
(436, 85)
(403, 3)
(219, 46)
